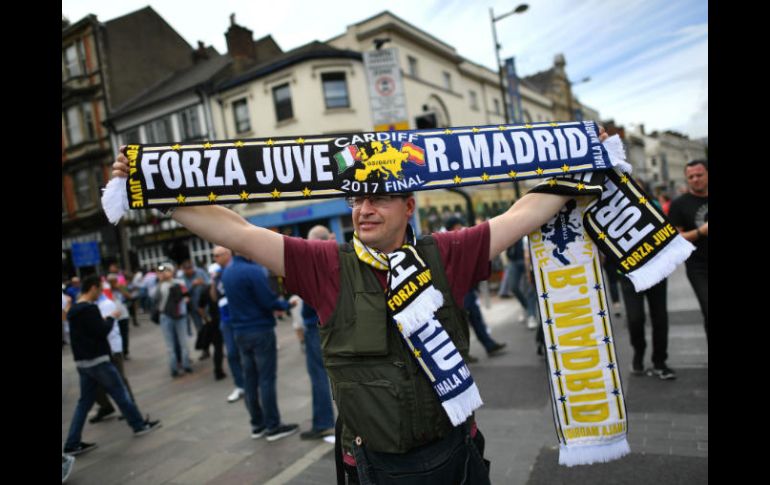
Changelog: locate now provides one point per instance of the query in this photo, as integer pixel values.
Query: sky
(647, 59)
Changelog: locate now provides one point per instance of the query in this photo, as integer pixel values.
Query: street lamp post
(520, 9)
(572, 110)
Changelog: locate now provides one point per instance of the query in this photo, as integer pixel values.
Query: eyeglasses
(216, 255)
(378, 201)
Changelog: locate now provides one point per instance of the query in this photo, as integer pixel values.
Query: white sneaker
(532, 323)
(235, 395)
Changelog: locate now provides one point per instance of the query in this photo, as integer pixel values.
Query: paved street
(206, 440)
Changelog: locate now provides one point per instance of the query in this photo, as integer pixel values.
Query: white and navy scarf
(412, 302)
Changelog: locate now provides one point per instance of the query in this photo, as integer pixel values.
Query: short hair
(319, 232)
(89, 282)
(452, 222)
(699, 161)
(166, 267)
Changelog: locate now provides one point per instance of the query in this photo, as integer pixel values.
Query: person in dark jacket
(91, 351)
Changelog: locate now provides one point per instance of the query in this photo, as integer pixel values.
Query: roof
(178, 82)
(312, 50)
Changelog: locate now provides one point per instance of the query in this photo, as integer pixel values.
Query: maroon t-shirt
(313, 267)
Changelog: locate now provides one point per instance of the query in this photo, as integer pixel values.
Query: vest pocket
(360, 333)
(374, 411)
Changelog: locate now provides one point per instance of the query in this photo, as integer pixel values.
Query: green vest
(382, 394)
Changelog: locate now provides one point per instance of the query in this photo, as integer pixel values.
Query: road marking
(300, 465)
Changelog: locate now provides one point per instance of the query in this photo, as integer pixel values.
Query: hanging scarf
(412, 301)
(611, 214)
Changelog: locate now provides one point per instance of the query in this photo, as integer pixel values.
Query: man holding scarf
(392, 332)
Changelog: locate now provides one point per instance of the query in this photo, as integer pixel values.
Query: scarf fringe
(422, 309)
(662, 264)
(617, 154)
(589, 454)
(115, 200)
(461, 406)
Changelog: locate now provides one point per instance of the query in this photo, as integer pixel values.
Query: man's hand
(120, 167)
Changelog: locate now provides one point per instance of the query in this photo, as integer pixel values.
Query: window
(241, 114)
(447, 80)
(75, 60)
(474, 100)
(335, 90)
(159, 131)
(282, 99)
(73, 125)
(99, 179)
(79, 123)
(131, 136)
(412, 66)
(497, 105)
(83, 189)
(88, 119)
(654, 162)
(191, 125)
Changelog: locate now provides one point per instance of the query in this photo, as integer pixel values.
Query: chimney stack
(240, 44)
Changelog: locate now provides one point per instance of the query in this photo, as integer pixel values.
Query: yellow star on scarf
(527, 125)
(417, 353)
(306, 192)
(275, 193)
(552, 182)
(457, 179)
(212, 197)
(553, 124)
(602, 236)
(539, 171)
(581, 186)
(238, 143)
(475, 130)
(176, 147)
(484, 176)
(501, 127)
(244, 195)
(623, 179)
(512, 174)
(300, 140)
(448, 131)
(207, 145)
(180, 199)
(642, 200)
(400, 327)
(270, 142)
(564, 168)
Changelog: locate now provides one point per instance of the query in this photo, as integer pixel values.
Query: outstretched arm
(526, 215)
(223, 227)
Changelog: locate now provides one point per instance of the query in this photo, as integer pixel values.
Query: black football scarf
(412, 301)
(322, 166)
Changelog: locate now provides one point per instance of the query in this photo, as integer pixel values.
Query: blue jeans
(323, 412)
(106, 375)
(233, 356)
(470, 303)
(259, 359)
(175, 330)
